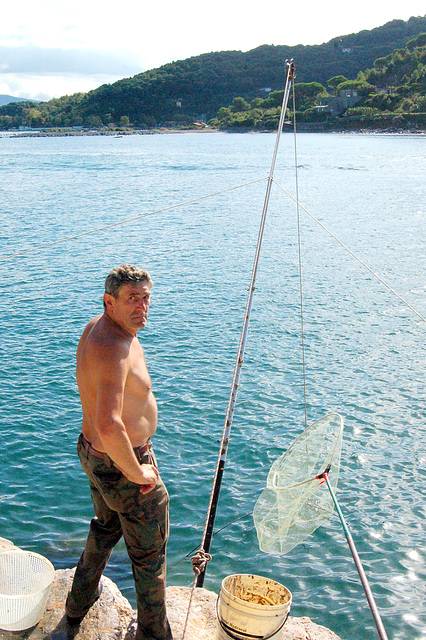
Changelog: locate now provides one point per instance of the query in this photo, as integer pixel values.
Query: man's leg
(104, 533)
(145, 525)
(144, 521)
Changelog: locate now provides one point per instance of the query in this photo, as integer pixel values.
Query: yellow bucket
(252, 607)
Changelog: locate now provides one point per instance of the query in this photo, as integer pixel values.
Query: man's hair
(125, 274)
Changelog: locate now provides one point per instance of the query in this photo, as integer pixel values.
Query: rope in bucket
(252, 607)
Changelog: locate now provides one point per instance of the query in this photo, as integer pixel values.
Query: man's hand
(150, 474)
(147, 477)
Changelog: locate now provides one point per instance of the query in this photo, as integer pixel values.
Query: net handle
(369, 595)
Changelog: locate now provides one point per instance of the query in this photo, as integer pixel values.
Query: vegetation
(265, 113)
(390, 94)
(244, 90)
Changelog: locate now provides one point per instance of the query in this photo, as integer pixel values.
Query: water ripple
(364, 351)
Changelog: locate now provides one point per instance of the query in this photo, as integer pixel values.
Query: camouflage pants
(143, 520)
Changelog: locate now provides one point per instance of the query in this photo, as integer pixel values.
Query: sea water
(187, 207)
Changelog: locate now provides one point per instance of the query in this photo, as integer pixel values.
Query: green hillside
(391, 94)
(181, 92)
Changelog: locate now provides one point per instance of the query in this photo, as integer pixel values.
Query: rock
(202, 620)
(305, 629)
(112, 617)
(6, 545)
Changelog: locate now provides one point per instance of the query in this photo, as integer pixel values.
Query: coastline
(65, 133)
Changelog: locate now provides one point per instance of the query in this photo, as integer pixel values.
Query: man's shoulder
(89, 332)
(102, 339)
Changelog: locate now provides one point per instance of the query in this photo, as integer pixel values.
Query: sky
(52, 48)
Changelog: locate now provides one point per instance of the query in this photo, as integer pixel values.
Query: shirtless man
(119, 418)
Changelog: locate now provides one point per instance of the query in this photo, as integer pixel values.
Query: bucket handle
(230, 631)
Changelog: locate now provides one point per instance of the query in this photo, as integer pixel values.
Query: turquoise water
(364, 348)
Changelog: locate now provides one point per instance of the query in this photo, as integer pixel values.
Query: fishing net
(296, 502)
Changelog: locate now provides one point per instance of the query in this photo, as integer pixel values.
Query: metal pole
(360, 569)
(214, 497)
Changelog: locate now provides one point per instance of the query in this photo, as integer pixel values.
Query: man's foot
(74, 621)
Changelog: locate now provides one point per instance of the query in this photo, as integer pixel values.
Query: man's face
(130, 308)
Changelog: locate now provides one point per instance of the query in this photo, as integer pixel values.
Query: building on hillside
(335, 105)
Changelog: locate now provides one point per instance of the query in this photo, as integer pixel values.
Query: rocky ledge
(112, 617)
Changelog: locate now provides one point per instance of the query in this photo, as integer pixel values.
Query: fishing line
(127, 220)
(228, 524)
(299, 245)
(342, 244)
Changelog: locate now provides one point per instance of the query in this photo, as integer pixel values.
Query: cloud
(54, 48)
(40, 73)
(30, 58)
(46, 86)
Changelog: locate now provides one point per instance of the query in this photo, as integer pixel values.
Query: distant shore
(113, 133)
(303, 128)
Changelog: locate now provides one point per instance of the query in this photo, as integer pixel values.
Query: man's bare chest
(138, 381)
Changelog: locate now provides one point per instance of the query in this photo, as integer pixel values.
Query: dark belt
(98, 454)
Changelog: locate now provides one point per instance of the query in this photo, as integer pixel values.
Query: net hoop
(302, 436)
(296, 500)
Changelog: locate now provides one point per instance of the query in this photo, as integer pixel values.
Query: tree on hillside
(239, 104)
(307, 94)
(360, 86)
(420, 41)
(335, 81)
(35, 118)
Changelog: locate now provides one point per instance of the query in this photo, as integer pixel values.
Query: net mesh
(295, 502)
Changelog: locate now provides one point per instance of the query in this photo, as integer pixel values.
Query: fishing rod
(203, 556)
